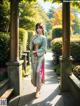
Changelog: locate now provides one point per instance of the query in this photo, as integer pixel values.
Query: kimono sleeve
(43, 48)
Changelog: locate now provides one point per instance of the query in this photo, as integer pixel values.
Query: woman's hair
(40, 26)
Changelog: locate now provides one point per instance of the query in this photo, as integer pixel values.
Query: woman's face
(39, 30)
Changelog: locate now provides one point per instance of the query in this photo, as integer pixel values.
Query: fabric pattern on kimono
(37, 62)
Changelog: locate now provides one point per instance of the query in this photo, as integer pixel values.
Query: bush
(4, 48)
(74, 47)
(4, 16)
(56, 48)
(5, 45)
(75, 50)
(30, 34)
(56, 32)
(76, 71)
(23, 37)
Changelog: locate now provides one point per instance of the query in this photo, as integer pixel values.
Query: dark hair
(40, 26)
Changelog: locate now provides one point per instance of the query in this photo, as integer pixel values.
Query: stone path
(50, 93)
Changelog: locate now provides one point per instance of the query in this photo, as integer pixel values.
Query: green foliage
(57, 47)
(30, 14)
(48, 42)
(48, 26)
(75, 50)
(30, 34)
(57, 69)
(26, 15)
(57, 50)
(5, 45)
(4, 16)
(4, 48)
(74, 47)
(76, 71)
(56, 32)
(76, 4)
(51, 12)
(35, 0)
(23, 37)
(27, 23)
(77, 25)
(23, 1)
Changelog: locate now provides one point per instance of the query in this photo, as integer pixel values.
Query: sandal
(37, 94)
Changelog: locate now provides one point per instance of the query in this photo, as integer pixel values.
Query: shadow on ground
(27, 100)
(50, 96)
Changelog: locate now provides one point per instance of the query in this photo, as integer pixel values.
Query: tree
(30, 14)
(27, 14)
(76, 26)
(56, 19)
(50, 13)
(4, 16)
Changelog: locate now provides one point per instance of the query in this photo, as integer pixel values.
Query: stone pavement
(50, 93)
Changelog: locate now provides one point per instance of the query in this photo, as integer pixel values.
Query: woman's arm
(31, 48)
(43, 48)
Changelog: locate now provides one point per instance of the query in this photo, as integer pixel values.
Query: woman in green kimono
(38, 46)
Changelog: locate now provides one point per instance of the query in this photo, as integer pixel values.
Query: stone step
(7, 93)
(4, 85)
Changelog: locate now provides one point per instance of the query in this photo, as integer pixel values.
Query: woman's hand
(35, 53)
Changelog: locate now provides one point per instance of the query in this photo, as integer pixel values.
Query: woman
(38, 48)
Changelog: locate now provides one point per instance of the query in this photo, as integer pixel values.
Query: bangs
(39, 26)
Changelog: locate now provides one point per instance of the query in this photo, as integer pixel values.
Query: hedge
(23, 38)
(4, 48)
(5, 45)
(75, 53)
(74, 47)
(30, 34)
(76, 71)
(56, 32)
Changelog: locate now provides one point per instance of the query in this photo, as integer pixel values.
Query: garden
(53, 30)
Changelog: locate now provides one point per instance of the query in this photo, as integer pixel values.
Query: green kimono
(38, 60)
